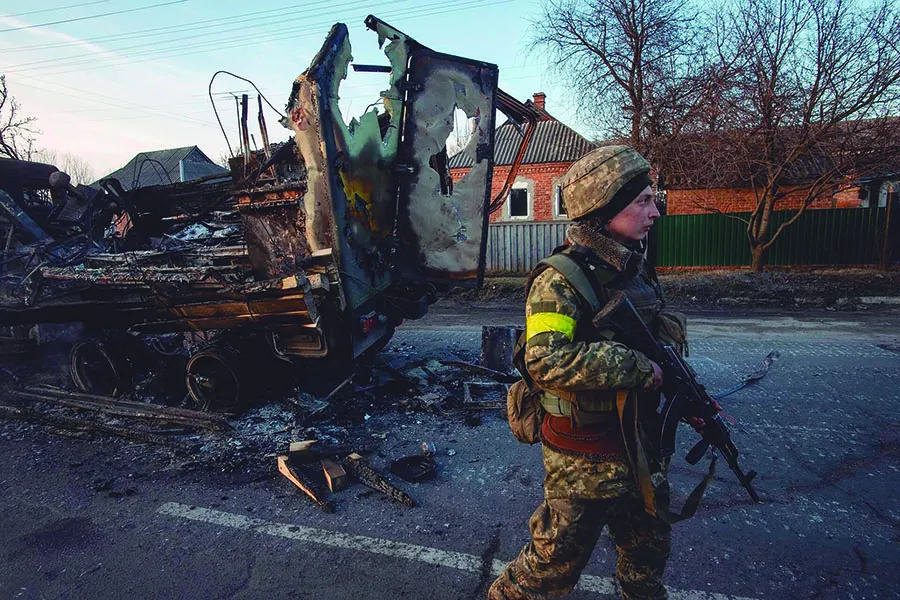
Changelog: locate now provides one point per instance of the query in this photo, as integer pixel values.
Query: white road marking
(604, 586)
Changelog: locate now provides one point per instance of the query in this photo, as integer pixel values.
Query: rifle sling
(693, 501)
(575, 275)
(656, 500)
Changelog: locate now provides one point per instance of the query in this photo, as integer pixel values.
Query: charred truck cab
(378, 223)
(348, 230)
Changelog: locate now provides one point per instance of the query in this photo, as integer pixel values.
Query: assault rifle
(684, 396)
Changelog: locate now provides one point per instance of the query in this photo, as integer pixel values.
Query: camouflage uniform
(585, 493)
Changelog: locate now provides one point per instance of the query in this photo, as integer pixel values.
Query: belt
(601, 440)
(586, 407)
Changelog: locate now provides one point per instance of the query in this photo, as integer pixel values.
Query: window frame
(558, 204)
(528, 186)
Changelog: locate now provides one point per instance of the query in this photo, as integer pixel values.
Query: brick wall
(692, 202)
(540, 180)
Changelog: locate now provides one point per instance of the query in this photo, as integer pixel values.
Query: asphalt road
(106, 519)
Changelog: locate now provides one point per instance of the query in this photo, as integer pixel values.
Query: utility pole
(889, 215)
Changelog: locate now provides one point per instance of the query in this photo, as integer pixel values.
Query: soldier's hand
(657, 380)
(697, 423)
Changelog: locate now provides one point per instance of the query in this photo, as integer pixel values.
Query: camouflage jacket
(564, 351)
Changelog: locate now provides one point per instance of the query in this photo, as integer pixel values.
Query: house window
(887, 188)
(518, 203)
(559, 205)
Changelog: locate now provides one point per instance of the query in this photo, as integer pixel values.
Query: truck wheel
(98, 367)
(214, 381)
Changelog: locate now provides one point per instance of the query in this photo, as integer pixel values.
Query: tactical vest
(591, 278)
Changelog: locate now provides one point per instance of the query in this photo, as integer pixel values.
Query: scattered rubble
(315, 435)
(363, 471)
(300, 480)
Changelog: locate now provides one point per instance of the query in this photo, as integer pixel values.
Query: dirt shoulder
(832, 289)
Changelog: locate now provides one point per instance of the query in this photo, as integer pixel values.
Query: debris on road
(360, 468)
(122, 408)
(302, 452)
(414, 468)
(25, 414)
(335, 475)
(749, 378)
(498, 375)
(302, 482)
(482, 396)
(340, 387)
(498, 346)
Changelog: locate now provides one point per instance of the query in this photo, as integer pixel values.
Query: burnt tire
(97, 367)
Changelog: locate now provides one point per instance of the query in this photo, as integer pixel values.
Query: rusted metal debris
(482, 396)
(498, 375)
(25, 414)
(498, 346)
(122, 408)
(413, 468)
(360, 468)
(761, 370)
(341, 386)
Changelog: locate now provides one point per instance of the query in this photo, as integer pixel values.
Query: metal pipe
(263, 132)
(245, 132)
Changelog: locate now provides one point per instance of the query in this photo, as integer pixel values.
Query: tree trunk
(758, 254)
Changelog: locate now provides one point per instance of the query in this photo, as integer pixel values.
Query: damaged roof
(553, 141)
(162, 167)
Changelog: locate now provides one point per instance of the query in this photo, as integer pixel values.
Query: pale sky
(106, 88)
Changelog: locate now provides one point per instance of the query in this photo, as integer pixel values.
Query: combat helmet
(594, 179)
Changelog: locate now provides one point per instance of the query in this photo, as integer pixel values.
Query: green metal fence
(851, 236)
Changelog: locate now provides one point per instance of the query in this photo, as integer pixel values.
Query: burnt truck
(346, 231)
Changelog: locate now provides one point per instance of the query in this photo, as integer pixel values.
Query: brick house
(535, 194)
(694, 185)
(687, 201)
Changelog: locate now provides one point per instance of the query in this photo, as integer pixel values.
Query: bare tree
(809, 104)
(639, 68)
(78, 169)
(17, 133)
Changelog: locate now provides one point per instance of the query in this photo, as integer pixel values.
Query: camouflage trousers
(564, 532)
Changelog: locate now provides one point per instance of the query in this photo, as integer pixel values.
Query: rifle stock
(684, 396)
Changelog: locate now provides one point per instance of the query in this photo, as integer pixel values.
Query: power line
(242, 28)
(169, 28)
(114, 102)
(43, 10)
(154, 111)
(285, 34)
(117, 12)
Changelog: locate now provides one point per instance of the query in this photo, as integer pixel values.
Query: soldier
(596, 475)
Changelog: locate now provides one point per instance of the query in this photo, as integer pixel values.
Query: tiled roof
(162, 167)
(552, 142)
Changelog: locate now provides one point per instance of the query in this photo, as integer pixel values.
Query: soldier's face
(633, 223)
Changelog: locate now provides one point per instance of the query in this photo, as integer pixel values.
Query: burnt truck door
(442, 223)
